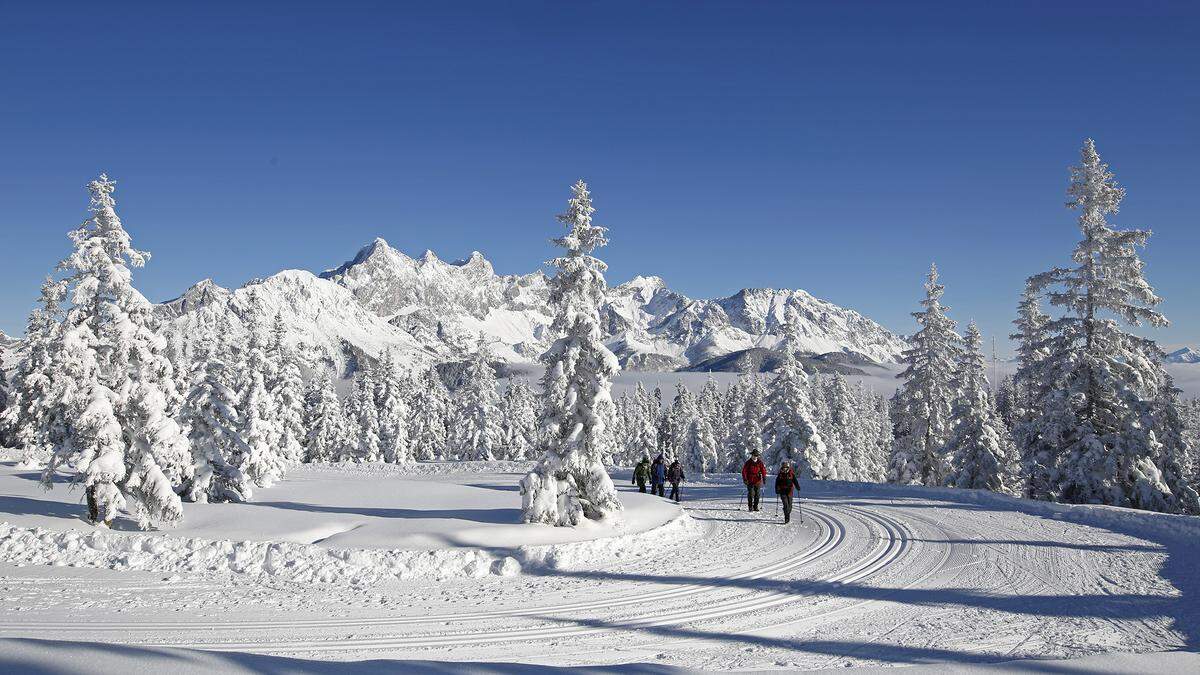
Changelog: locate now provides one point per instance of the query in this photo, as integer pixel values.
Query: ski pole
(799, 509)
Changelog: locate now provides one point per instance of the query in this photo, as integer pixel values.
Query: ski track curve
(892, 542)
(845, 539)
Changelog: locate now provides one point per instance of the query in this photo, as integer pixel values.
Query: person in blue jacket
(658, 476)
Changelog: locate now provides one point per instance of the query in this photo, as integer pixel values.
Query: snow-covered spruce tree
(519, 423)
(731, 450)
(644, 428)
(430, 407)
(980, 449)
(788, 429)
(1191, 436)
(712, 407)
(880, 436)
(1103, 390)
(746, 432)
(698, 450)
(391, 396)
(922, 405)
(214, 429)
(477, 409)
(1037, 461)
(264, 465)
(286, 387)
(679, 420)
(621, 431)
(120, 388)
(569, 482)
(362, 417)
(1006, 403)
(34, 418)
(323, 422)
(847, 421)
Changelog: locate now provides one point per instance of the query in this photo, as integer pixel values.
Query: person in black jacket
(785, 480)
(675, 477)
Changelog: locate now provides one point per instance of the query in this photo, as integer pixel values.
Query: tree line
(1091, 415)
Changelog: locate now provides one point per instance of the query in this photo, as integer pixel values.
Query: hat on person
(755, 453)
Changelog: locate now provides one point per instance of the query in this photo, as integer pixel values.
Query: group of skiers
(658, 473)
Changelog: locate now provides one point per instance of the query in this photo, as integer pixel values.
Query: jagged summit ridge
(427, 309)
(648, 324)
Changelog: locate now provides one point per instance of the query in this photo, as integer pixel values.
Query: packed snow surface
(872, 576)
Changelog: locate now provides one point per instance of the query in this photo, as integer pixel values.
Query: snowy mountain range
(1183, 355)
(429, 310)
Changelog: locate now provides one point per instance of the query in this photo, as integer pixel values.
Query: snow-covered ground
(427, 564)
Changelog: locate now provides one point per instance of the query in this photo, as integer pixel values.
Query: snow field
(338, 524)
(874, 576)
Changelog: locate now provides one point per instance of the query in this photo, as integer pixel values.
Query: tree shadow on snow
(28, 506)
(501, 487)
(493, 516)
(53, 657)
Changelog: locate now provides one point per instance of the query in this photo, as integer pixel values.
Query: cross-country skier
(675, 476)
(754, 475)
(641, 473)
(658, 476)
(785, 480)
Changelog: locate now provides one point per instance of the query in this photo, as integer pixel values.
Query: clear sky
(836, 147)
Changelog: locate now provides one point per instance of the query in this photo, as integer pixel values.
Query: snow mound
(598, 552)
(305, 563)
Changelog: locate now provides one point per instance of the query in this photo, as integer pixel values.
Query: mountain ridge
(430, 310)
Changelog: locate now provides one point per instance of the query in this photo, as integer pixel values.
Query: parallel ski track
(892, 541)
(833, 533)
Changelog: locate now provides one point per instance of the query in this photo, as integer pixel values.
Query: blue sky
(835, 147)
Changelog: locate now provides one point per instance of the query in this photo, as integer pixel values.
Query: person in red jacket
(754, 475)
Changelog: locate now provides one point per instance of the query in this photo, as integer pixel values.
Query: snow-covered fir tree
(698, 449)
(1103, 394)
(1006, 401)
(518, 430)
(622, 431)
(788, 429)
(846, 438)
(210, 414)
(286, 387)
(324, 423)
(880, 435)
(1036, 458)
(477, 432)
(265, 464)
(430, 408)
(923, 403)
(116, 382)
(678, 421)
(712, 407)
(35, 418)
(570, 482)
(1191, 435)
(391, 399)
(362, 418)
(643, 429)
(746, 429)
(979, 446)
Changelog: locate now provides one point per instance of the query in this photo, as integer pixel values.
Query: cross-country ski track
(873, 575)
